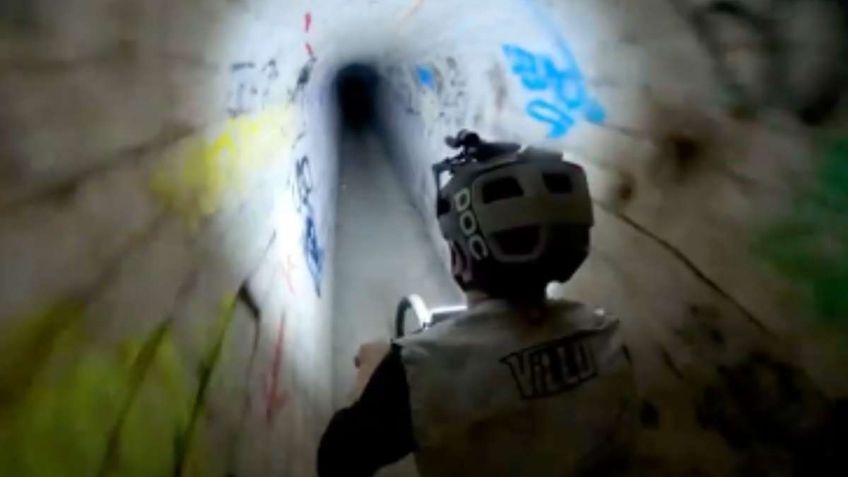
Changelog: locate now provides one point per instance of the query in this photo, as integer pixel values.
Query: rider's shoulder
(590, 316)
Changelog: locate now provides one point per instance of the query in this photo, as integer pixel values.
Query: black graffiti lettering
(250, 86)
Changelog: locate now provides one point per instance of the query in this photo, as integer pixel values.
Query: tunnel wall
(711, 135)
(167, 196)
(167, 191)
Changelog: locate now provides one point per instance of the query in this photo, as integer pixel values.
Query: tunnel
(206, 206)
(356, 87)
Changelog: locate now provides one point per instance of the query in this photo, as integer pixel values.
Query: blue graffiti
(425, 77)
(312, 250)
(562, 87)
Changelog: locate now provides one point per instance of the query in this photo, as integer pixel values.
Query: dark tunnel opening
(366, 137)
(357, 86)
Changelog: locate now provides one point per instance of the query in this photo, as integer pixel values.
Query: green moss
(809, 243)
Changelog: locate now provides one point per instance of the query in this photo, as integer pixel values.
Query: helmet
(516, 218)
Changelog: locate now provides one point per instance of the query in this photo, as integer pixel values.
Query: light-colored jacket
(498, 392)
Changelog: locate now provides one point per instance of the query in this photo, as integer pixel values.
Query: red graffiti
(275, 398)
(287, 268)
(307, 23)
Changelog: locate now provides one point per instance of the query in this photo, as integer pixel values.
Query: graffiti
(302, 79)
(288, 267)
(208, 364)
(561, 89)
(245, 296)
(815, 93)
(397, 77)
(251, 86)
(110, 389)
(307, 24)
(200, 171)
(453, 99)
(411, 11)
(445, 79)
(425, 77)
(275, 398)
(312, 250)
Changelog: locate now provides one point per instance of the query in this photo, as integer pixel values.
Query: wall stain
(17, 15)
(775, 48)
(625, 190)
(497, 78)
(649, 415)
(764, 408)
(670, 364)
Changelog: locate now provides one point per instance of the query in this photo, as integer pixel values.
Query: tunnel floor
(382, 244)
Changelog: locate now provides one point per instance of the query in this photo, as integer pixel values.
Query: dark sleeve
(375, 431)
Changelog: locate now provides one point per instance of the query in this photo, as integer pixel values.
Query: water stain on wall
(497, 78)
(17, 15)
(802, 71)
(776, 420)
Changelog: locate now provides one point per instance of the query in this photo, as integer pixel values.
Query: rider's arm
(375, 431)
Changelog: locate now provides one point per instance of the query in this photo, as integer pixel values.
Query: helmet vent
(518, 241)
(442, 206)
(500, 189)
(558, 183)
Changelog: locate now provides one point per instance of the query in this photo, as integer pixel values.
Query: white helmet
(515, 218)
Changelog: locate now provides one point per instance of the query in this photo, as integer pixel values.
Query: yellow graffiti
(70, 393)
(69, 406)
(159, 411)
(199, 172)
(28, 345)
(195, 456)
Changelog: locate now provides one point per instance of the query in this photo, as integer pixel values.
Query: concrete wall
(711, 135)
(168, 185)
(167, 199)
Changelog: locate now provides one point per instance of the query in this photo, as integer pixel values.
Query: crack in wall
(691, 266)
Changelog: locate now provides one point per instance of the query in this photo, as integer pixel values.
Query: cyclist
(517, 385)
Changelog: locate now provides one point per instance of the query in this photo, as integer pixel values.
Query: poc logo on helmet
(468, 224)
